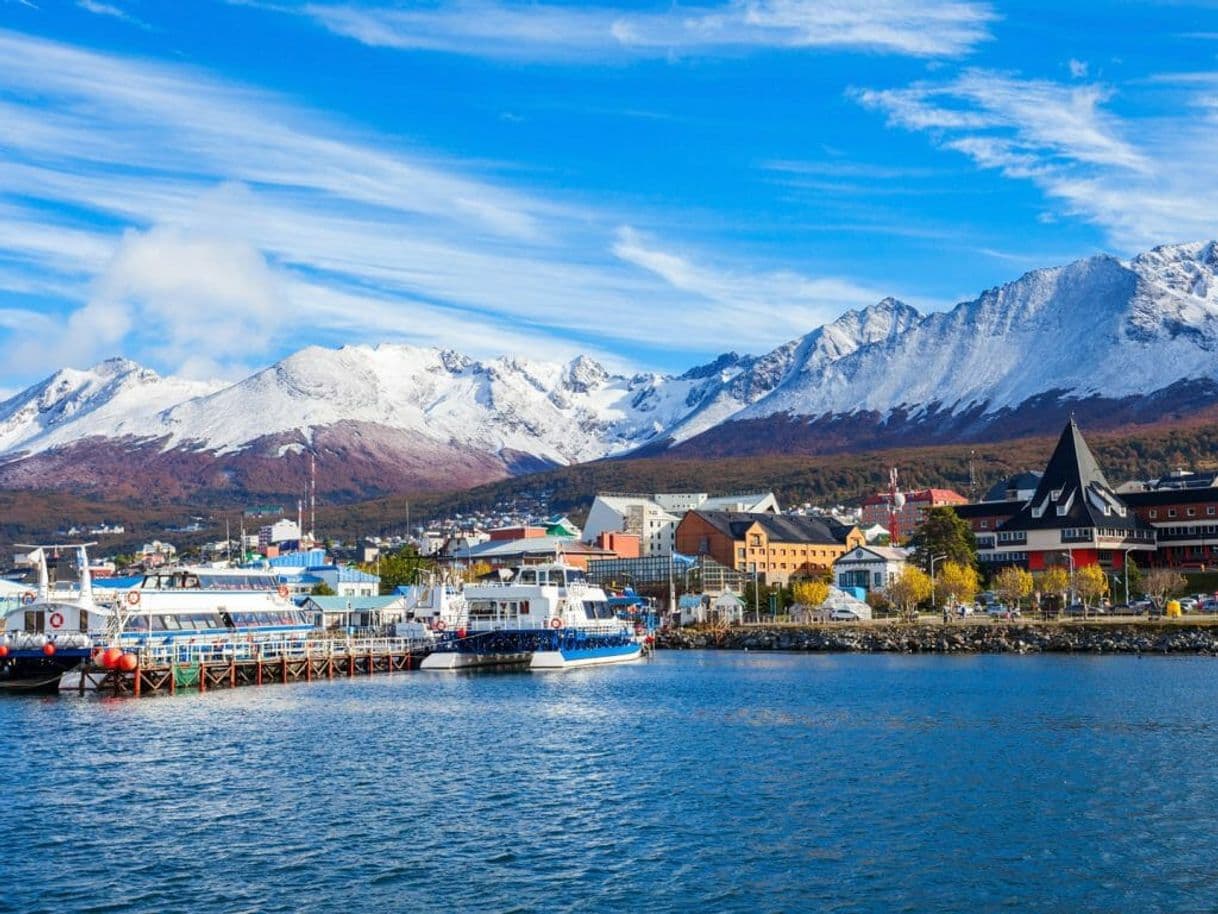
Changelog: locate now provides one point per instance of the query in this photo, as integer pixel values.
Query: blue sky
(205, 187)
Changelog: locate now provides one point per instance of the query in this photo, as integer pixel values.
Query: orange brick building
(776, 547)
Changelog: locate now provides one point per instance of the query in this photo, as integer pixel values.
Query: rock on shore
(957, 638)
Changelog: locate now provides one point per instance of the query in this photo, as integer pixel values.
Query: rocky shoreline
(956, 638)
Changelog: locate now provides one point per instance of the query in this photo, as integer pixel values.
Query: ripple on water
(723, 782)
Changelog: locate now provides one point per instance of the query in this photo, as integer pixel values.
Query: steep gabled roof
(1073, 492)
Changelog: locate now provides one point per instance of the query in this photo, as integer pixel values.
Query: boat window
(137, 624)
(170, 623)
(575, 576)
(528, 576)
(158, 623)
(84, 620)
(543, 577)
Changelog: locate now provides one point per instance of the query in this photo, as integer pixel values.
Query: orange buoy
(110, 658)
(49, 649)
(127, 663)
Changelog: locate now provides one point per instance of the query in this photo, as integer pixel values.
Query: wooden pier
(202, 668)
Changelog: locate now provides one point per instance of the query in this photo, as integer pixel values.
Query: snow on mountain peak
(1095, 326)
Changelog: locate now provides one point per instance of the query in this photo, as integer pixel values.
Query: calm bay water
(726, 782)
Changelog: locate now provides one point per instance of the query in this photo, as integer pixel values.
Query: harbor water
(696, 781)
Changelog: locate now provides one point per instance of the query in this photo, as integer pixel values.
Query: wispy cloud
(782, 300)
(1143, 179)
(551, 32)
(208, 226)
(109, 9)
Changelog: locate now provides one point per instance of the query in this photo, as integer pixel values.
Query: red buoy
(127, 663)
(111, 657)
(49, 649)
(460, 633)
(3, 651)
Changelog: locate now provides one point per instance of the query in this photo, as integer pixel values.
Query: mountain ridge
(1122, 341)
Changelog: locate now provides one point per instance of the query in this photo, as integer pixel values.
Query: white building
(282, 531)
(654, 518)
(869, 567)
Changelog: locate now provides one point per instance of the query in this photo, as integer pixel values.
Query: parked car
(1188, 605)
(845, 615)
(1141, 607)
(1209, 605)
(998, 611)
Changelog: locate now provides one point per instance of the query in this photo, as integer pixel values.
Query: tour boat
(545, 617)
(49, 641)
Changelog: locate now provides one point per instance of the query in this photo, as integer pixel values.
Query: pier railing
(185, 652)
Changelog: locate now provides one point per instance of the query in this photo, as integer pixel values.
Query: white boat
(50, 641)
(545, 617)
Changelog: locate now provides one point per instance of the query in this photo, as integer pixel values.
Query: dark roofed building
(776, 547)
(1019, 487)
(1073, 518)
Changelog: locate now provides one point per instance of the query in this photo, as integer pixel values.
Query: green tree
(908, 590)
(322, 589)
(397, 569)
(944, 533)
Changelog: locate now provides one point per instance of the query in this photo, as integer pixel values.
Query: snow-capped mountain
(1116, 341)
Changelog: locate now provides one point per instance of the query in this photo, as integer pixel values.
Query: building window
(1209, 512)
(1171, 512)
(1192, 512)
(1153, 513)
(985, 525)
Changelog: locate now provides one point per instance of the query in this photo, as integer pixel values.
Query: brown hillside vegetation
(824, 480)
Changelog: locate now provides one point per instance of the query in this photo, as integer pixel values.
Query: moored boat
(50, 642)
(544, 617)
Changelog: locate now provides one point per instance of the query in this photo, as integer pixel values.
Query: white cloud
(225, 226)
(1078, 68)
(1144, 179)
(109, 9)
(550, 32)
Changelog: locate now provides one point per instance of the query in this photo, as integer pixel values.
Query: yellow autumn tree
(1091, 584)
(810, 593)
(909, 589)
(957, 583)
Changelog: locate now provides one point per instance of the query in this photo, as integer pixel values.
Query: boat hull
(33, 671)
(455, 660)
(569, 659)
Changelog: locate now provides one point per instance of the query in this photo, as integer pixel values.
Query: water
(720, 782)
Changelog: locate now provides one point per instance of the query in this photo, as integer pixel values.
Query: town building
(911, 510)
(773, 547)
(279, 533)
(654, 518)
(1073, 519)
(869, 568)
(1182, 507)
(685, 572)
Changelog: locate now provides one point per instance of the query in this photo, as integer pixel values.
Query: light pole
(933, 559)
(1125, 566)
